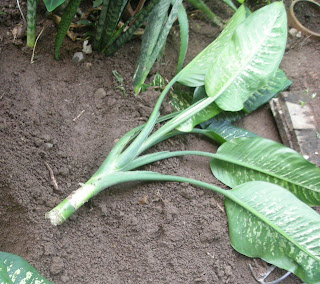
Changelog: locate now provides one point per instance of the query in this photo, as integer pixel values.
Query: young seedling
(265, 220)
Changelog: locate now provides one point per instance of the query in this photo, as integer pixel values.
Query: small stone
(38, 142)
(228, 270)
(57, 265)
(48, 145)
(100, 93)
(77, 57)
(51, 202)
(65, 279)
(88, 65)
(299, 35)
(99, 96)
(110, 93)
(18, 32)
(64, 171)
(293, 32)
(46, 137)
(87, 48)
(49, 249)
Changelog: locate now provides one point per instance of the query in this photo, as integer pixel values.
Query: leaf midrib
(272, 225)
(222, 157)
(250, 58)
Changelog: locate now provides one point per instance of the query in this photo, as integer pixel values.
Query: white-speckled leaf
(15, 270)
(272, 224)
(247, 159)
(250, 59)
(194, 73)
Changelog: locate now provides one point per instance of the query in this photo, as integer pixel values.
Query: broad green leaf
(222, 131)
(248, 159)
(180, 98)
(268, 222)
(194, 73)
(250, 59)
(15, 270)
(275, 85)
(220, 121)
(52, 4)
(220, 128)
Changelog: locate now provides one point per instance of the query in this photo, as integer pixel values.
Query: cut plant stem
(111, 171)
(107, 176)
(96, 184)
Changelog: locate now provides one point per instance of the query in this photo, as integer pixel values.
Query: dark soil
(51, 112)
(308, 15)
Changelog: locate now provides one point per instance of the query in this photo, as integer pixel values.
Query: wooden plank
(296, 120)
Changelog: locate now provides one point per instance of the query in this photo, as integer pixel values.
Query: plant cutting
(239, 62)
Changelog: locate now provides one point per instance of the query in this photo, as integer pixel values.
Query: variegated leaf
(250, 58)
(222, 131)
(268, 222)
(15, 270)
(248, 159)
(194, 73)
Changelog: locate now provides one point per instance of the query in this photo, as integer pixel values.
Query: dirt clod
(56, 266)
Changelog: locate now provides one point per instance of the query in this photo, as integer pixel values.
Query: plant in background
(265, 220)
(32, 14)
(108, 37)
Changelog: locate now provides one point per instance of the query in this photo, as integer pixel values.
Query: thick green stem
(134, 149)
(176, 121)
(31, 22)
(67, 207)
(150, 158)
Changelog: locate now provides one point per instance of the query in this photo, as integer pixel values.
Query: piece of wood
(295, 118)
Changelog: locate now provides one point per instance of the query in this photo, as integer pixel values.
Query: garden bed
(53, 118)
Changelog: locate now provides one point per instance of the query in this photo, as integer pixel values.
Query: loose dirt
(51, 112)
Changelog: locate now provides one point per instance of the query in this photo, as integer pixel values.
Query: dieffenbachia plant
(265, 220)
